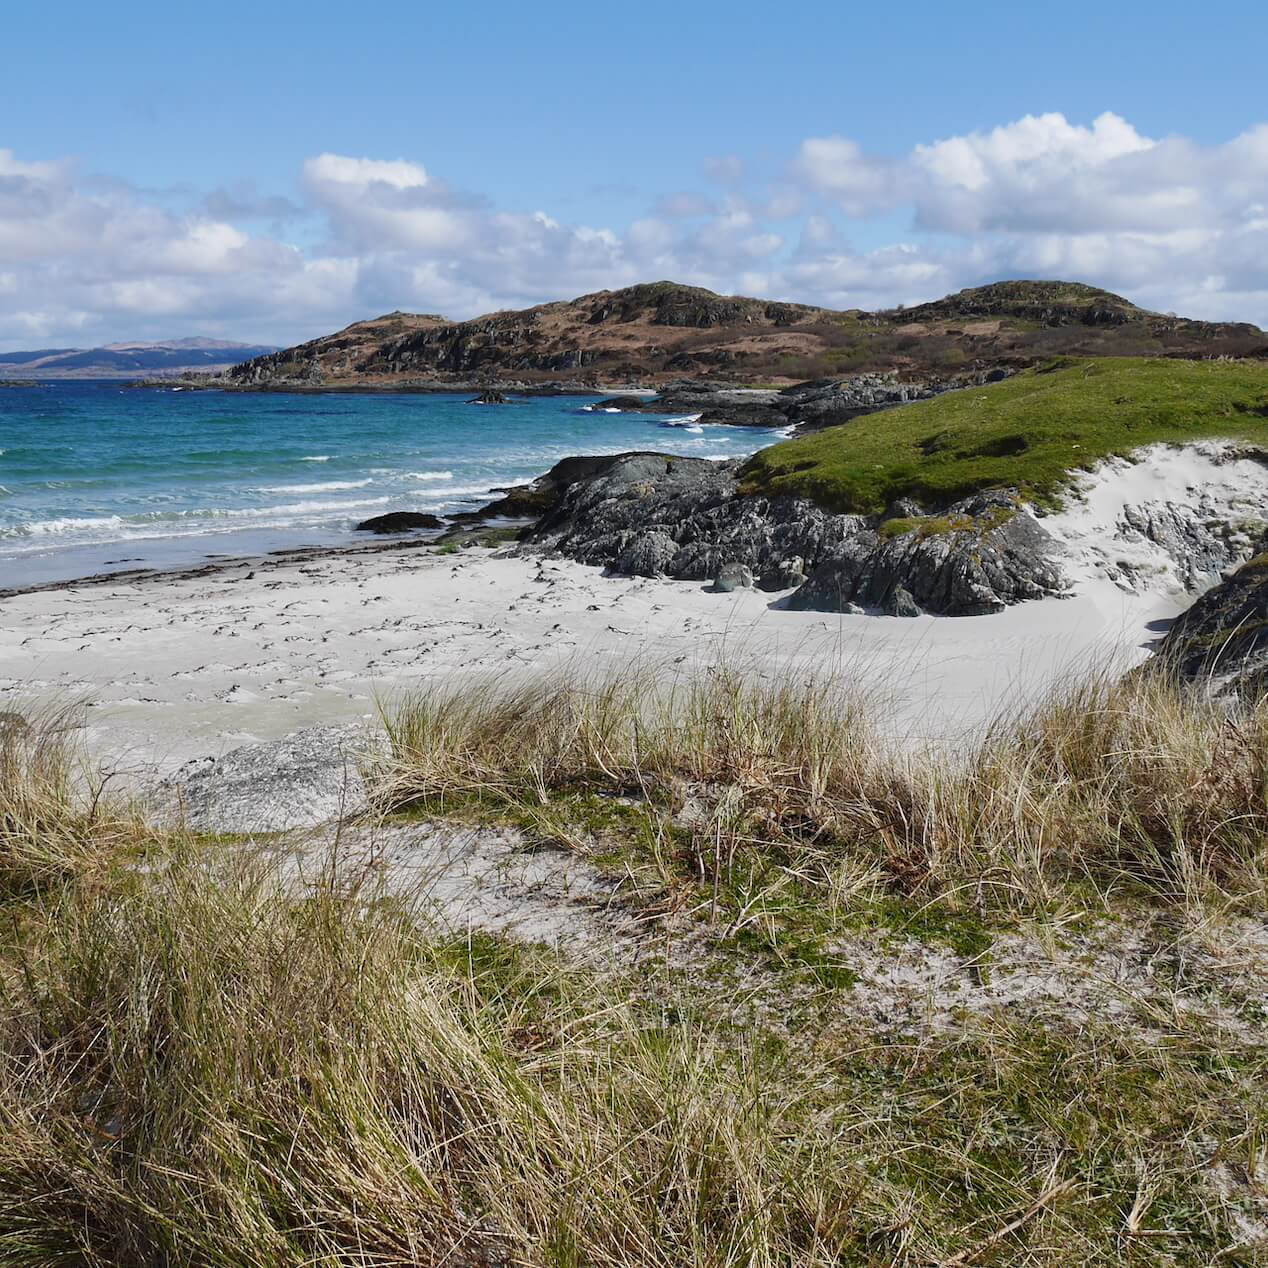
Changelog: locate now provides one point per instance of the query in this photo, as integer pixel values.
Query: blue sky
(164, 169)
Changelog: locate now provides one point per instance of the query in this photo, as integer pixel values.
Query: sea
(97, 477)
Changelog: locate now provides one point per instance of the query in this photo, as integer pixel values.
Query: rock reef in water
(805, 406)
(399, 522)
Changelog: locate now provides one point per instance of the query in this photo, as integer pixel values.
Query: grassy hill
(660, 331)
(1028, 432)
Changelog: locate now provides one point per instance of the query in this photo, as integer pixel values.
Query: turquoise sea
(97, 477)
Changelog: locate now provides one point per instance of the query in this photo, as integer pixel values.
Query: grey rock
(900, 603)
(310, 777)
(733, 577)
(787, 574)
(1222, 640)
(647, 555)
(399, 522)
(982, 554)
(545, 493)
(1203, 546)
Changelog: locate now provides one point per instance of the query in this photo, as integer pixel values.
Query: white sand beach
(174, 666)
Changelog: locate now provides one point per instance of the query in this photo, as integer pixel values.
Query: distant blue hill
(122, 360)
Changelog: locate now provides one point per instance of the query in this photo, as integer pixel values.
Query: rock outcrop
(1222, 640)
(543, 495)
(659, 515)
(981, 555)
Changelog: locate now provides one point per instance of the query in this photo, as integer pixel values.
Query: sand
(173, 667)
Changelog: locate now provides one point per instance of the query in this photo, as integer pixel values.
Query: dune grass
(1134, 782)
(200, 1065)
(1028, 432)
(54, 817)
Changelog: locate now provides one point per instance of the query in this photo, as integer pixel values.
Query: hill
(1027, 433)
(124, 360)
(661, 331)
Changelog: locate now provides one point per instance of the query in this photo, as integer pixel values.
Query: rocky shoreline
(799, 407)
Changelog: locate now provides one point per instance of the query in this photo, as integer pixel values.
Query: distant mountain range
(662, 331)
(126, 360)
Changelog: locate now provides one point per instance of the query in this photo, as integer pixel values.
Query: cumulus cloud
(1175, 224)
(1169, 220)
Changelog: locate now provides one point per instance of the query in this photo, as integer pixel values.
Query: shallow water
(97, 477)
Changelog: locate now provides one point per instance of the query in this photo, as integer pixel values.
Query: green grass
(1028, 433)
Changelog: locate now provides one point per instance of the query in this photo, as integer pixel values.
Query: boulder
(399, 522)
(733, 577)
(491, 397)
(787, 574)
(900, 603)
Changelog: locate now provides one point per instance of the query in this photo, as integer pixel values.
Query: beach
(172, 666)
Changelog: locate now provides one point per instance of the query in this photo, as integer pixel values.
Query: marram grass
(199, 1067)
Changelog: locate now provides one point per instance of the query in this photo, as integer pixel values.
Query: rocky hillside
(956, 505)
(661, 331)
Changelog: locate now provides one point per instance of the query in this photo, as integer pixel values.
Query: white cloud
(338, 169)
(1175, 224)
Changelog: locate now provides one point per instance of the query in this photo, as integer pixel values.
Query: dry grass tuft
(198, 1070)
(1134, 782)
(55, 819)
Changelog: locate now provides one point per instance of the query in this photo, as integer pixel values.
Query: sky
(271, 172)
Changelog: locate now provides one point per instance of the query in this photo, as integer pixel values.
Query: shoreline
(259, 559)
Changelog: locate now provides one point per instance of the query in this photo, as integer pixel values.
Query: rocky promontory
(662, 333)
(802, 406)
(652, 514)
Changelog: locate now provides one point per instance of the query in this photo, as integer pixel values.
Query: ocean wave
(429, 475)
(329, 486)
(289, 508)
(316, 457)
(67, 524)
(61, 524)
